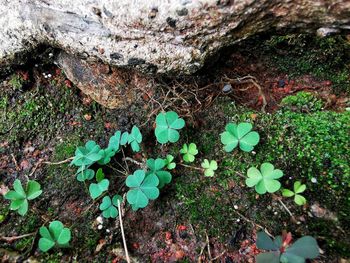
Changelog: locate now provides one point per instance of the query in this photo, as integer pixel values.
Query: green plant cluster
(302, 102)
(281, 249)
(326, 58)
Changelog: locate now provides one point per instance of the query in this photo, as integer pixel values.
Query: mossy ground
(303, 138)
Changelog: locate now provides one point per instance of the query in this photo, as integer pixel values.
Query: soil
(44, 117)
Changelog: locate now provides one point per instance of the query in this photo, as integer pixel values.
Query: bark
(154, 35)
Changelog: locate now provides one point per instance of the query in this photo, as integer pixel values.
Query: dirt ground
(44, 117)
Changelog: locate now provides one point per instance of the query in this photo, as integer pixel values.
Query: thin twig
(15, 162)
(60, 162)
(11, 239)
(192, 167)
(286, 208)
(133, 161)
(208, 246)
(122, 230)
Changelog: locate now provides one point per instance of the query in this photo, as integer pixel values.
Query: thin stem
(192, 167)
(11, 239)
(285, 207)
(122, 230)
(133, 161)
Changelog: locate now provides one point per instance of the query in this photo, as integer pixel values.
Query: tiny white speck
(275, 213)
(99, 227)
(238, 220)
(235, 207)
(50, 54)
(253, 152)
(108, 231)
(49, 75)
(99, 219)
(313, 180)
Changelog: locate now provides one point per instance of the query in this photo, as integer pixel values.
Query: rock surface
(153, 35)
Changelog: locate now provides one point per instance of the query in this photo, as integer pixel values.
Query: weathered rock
(112, 87)
(154, 35)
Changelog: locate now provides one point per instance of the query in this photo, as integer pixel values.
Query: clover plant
(85, 156)
(56, 234)
(156, 168)
(135, 138)
(189, 152)
(106, 156)
(20, 197)
(281, 249)
(114, 141)
(110, 206)
(85, 174)
(167, 126)
(298, 188)
(241, 135)
(96, 190)
(124, 138)
(209, 167)
(169, 162)
(142, 189)
(264, 180)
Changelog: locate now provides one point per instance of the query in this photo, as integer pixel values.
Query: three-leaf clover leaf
(19, 197)
(239, 134)
(114, 141)
(167, 125)
(156, 167)
(85, 174)
(57, 234)
(209, 167)
(106, 156)
(189, 151)
(87, 155)
(135, 138)
(265, 179)
(97, 189)
(143, 189)
(298, 188)
(110, 206)
(169, 162)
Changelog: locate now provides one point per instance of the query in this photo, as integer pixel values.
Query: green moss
(67, 148)
(327, 58)
(302, 102)
(16, 81)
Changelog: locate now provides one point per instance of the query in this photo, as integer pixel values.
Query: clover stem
(286, 208)
(60, 162)
(123, 235)
(133, 161)
(192, 167)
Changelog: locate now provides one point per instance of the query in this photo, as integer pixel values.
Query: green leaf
(287, 193)
(96, 190)
(16, 204)
(87, 155)
(106, 156)
(265, 242)
(124, 138)
(85, 174)
(57, 234)
(298, 187)
(299, 199)
(169, 162)
(116, 199)
(241, 135)
(156, 167)
(167, 125)
(45, 244)
(13, 195)
(268, 257)
(100, 175)
(209, 167)
(18, 188)
(143, 188)
(265, 179)
(33, 190)
(109, 206)
(305, 247)
(189, 152)
(114, 141)
(135, 138)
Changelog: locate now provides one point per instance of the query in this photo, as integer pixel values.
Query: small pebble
(227, 88)
(235, 207)
(99, 227)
